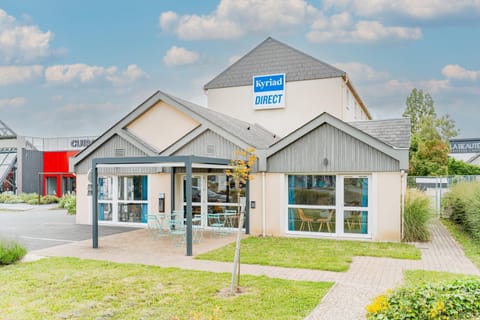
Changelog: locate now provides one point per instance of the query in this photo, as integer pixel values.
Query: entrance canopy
(187, 162)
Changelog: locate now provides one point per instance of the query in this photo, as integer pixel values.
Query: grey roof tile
(272, 56)
(253, 134)
(395, 132)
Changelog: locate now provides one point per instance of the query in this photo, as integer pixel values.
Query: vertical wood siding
(202, 146)
(344, 153)
(108, 149)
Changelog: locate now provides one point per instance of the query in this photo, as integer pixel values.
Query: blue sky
(76, 67)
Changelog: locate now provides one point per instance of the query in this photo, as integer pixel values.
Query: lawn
(422, 277)
(469, 245)
(65, 288)
(320, 254)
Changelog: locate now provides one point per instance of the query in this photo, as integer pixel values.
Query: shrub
(462, 205)
(11, 251)
(69, 202)
(417, 215)
(454, 202)
(447, 300)
(28, 197)
(48, 199)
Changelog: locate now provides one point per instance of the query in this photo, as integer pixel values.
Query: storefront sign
(80, 143)
(465, 146)
(269, 91)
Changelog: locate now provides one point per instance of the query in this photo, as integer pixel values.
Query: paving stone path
(366, 278)
(369, 277)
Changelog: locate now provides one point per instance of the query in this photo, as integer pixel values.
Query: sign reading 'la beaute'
(465, 146)
(269, 91)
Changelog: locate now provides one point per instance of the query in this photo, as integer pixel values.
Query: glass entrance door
(214, 199)
(198, 202)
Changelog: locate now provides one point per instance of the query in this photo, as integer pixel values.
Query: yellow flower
(380, 303)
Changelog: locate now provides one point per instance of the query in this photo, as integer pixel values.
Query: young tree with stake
(240, 173)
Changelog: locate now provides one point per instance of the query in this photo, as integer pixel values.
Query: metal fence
(437, 187)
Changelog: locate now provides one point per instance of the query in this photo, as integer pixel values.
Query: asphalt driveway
(40, 227)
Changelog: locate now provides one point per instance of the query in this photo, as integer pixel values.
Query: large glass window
(355, 198)
(52, 185)
(328, 204)
(311, 202)
(105, 197)
(130, 203)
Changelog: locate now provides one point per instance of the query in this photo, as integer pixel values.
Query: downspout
(402, 213)
(263, 205)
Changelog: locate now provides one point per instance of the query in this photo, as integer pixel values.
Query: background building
(35, 164)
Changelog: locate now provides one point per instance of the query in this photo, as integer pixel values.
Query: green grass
(320, 254)
(11, 251)
(422, 277)
(470, 246)
(64, 288)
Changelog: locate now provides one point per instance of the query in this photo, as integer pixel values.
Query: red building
(56, 178)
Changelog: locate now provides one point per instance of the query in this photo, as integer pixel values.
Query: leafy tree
(459, 167)
(429, 144)
(419, 106)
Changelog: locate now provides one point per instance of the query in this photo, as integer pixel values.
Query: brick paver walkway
(366, 278)
(369, 277)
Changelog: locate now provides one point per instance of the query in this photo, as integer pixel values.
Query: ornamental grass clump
(11, 251)
(457, 299)
(417, 215)
(462, 205)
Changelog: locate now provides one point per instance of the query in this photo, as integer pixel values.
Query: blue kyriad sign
(269, 91)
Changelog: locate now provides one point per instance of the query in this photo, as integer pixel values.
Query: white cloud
(22, 42)
(77, 107)
(179, 56)
(363, 31)
(454, 71)
(130, 75)
(422, 10)
(85, 74)
(167, 20)
(234, 18)
(361, 72)
(82, 72)
(19, 74)
(13, 102)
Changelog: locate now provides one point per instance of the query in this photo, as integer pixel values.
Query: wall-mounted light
(325, 161)
(89, 189)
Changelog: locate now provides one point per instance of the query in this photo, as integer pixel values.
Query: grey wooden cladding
(109, 149)
(204, 144)
(343, 152)
(32, 164)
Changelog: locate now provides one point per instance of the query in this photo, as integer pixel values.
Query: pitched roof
(395, 132)
(253, 134)
(377, 142)
(272, 56)
(5, 131)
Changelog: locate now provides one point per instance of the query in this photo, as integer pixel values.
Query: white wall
(304, 101)
(388, 198)
(84, 202)
(162, 125)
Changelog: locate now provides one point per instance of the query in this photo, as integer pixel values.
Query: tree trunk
(236, 261)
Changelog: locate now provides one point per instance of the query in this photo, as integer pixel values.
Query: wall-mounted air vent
(210, 149)
(119, 152)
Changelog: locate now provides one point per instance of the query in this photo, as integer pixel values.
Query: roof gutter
(355, 94)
